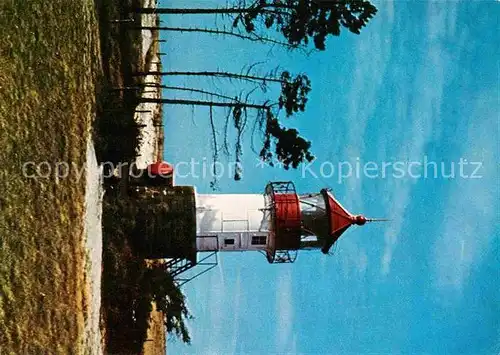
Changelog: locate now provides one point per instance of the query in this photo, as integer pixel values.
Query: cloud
(372, 58)
(285, 311)
(216, 308)
(223, 334)
(373, 52)
(236, 316)
(399, 202)
(423, 122)
(362, 262)
(471, 211)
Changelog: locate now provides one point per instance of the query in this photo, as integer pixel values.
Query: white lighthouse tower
(277, 223)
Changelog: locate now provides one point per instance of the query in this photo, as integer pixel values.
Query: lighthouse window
(229, 241)
(259, 240)
(309, 238)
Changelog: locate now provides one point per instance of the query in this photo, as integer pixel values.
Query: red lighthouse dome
(360, 220)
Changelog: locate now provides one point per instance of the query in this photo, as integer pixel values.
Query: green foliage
(299, 21)
(294, 92)
(130, 285)
(289, 148)
(239, 124)
(116, 134)
(169, 300)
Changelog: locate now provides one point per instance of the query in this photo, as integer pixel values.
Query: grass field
(52, 87)
(49, 55)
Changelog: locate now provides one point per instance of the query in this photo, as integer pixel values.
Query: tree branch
(252, 37)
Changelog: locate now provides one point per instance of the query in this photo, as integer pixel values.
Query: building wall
(231, 222)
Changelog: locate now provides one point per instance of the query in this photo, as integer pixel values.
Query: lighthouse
(278, 223)
(183, 226)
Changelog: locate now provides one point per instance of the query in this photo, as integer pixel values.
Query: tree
(278, 142)
(253, 37)
(299, 21)
(293, 90)
(169, 300)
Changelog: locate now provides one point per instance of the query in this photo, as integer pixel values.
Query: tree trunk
(180, 88)
(171, 11)
(274, 8)
(201, 103)
(212, 73)
(254, 38)
(198, 91)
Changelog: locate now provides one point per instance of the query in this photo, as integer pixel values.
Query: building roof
(340, 219)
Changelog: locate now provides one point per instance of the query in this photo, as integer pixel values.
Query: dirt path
(148, 152)
(93, 245)
(148, 149)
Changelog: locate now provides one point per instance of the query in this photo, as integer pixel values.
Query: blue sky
(422, 81)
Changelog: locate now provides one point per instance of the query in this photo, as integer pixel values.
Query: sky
(417, 92)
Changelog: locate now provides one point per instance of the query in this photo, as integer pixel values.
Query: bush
(130, 285)
(116, 134)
